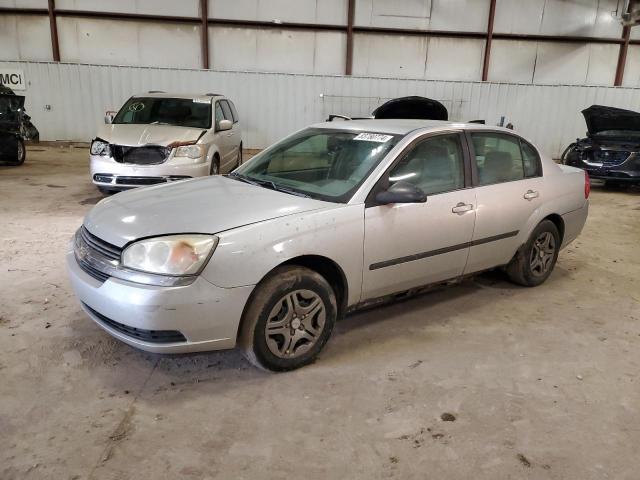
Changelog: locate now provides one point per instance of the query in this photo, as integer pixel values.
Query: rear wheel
(533, 264)
(288, 320)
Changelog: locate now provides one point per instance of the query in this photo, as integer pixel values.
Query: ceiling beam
(487, 44)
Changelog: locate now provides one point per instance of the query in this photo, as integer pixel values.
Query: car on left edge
(161, 137)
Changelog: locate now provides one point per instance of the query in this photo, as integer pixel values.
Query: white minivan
(162, 137)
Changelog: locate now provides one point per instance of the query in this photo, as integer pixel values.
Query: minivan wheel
(239, 159)
(288, 319)
(215, 166)
(533, 263)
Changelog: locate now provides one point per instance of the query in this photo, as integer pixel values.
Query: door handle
(230, 134)
(530, 195)
(462, 207)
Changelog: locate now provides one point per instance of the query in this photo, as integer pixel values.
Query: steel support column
(351, 10)
(53, 26)
(487, 44)
(204, 33)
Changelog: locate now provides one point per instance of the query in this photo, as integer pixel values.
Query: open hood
(600, 118)
(419, 108)
(136, 135)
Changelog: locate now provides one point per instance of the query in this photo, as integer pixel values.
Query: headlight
(170, 255)
(191, 151)
(99, 147)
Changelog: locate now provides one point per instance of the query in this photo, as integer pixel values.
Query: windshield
(319, 163)
(180, 112)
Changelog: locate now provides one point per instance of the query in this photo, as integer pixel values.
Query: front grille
(95, 273)
(151, 336)
(120, 180)
(147, 155)
(610, 157)
(96, 244)
(88, 246)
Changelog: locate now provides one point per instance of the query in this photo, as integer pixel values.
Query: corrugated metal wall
(273, 105)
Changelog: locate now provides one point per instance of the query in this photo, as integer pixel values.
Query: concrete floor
(543, 383)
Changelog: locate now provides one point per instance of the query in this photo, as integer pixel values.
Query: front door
(408, 245)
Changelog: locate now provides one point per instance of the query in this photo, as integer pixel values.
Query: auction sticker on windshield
(373, 137)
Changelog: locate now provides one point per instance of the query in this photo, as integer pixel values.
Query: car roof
(402, 127)
(154, 94)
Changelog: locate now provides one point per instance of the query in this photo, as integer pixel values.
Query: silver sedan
(335, 216)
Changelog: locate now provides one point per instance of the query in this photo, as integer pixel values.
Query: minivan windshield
(320, 163)
(179, 112)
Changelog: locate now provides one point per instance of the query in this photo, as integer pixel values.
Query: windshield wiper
(267, 184)
(158, 122)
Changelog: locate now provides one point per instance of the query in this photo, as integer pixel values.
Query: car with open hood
(162, 137)
(333, 217)
(611, 149)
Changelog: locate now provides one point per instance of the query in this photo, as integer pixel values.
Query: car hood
(204, 205)
(134, 135)
(412, 107)
(600, 118)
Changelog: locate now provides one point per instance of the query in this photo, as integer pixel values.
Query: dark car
(611, 149)
(15, 127)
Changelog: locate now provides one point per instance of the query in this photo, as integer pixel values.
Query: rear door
(408, 245)
(508, 175)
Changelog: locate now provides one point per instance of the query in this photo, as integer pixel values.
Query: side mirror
(224, 125)
(401, 192)
(108, 118)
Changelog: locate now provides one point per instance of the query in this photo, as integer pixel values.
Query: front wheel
(21, 153)
(215, 166)
(533, 264)
(288, 320)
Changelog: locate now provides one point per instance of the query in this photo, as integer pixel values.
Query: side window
(434, 165)
(219, 113)
(531, 160)
(234, 112)
(498, 158)
(226, 109)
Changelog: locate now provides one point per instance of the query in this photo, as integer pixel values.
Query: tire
(22, 153)
(529, 267)
(215, 166)
(106, 191)
(239, 161)
(291, 299)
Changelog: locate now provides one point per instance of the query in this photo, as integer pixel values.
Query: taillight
(587, 185)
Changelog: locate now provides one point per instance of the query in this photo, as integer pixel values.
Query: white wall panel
(557, 17)
(459, 15)
(23, 3)
(413, 14)
(561, 63)
(25, 37)
(632, 69)
(546, 62)
(512, 61)
(182, 8)
(603, 60)
(119, 42)
(454, 59)
(333, 12)
(271, 50)
(273, 105)
(389, 55)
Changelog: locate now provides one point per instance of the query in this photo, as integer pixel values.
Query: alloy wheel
(295, 323)
(542, 253)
